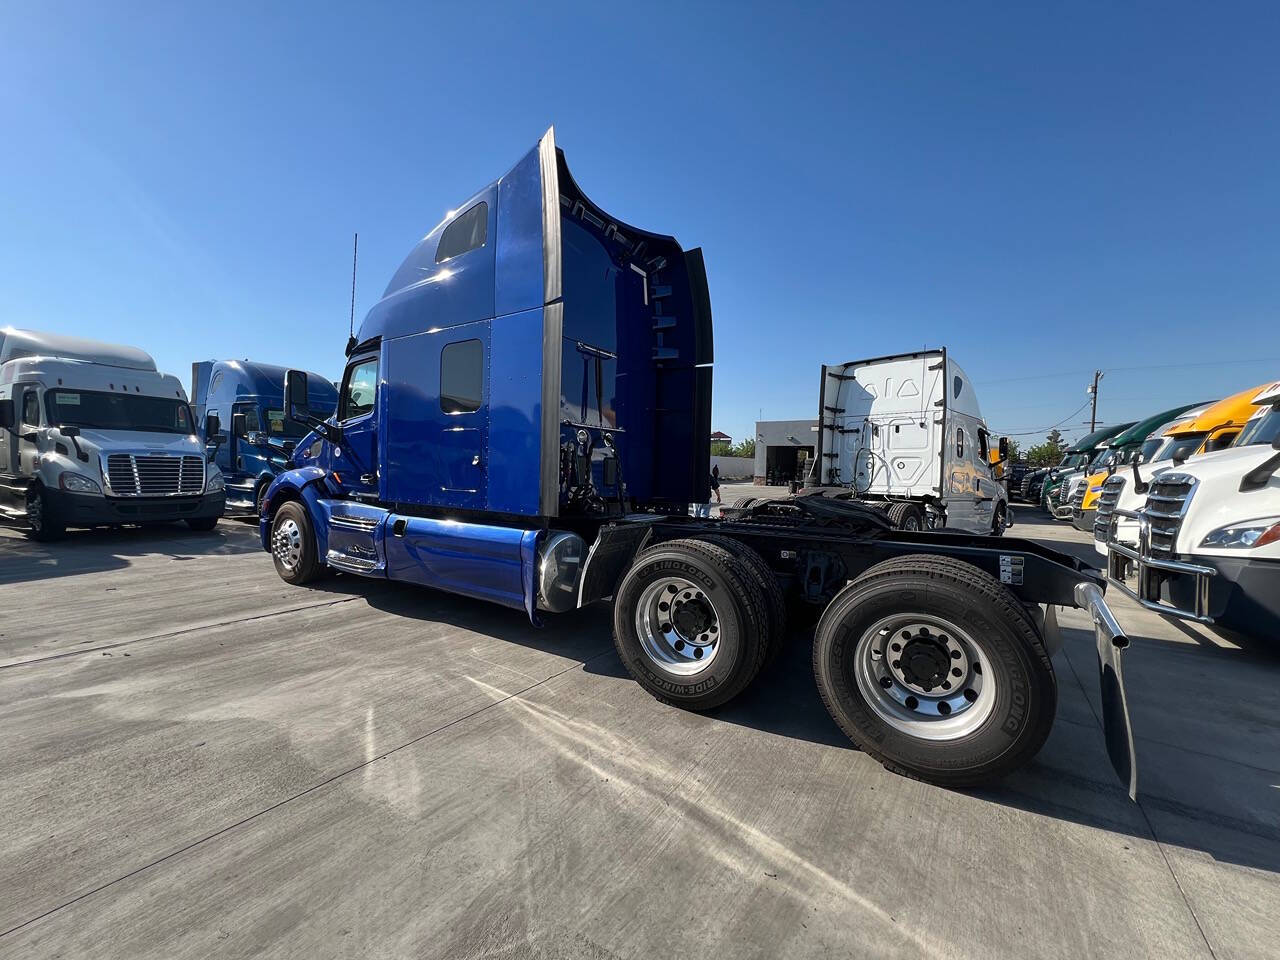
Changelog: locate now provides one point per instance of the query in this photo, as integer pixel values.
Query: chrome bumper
(1147, 570)
(1109, 640)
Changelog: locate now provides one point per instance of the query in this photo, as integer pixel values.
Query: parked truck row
(1185, 508)
(524, 418)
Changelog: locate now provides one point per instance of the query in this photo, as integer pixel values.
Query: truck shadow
(98, 550)
(1199, 787)
(1193, 792)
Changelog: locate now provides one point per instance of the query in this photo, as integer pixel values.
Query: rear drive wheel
(906, 516)
(935, 669)
(770, 590)
(691, 624)
(43, 522)
(744, 501)
(293, 545)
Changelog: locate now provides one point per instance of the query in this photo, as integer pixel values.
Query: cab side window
(30, 409)
(359, 389)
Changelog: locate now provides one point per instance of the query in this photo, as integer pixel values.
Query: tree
(747, 448)
(1015, 450)
(1049, 453)
(720, 449)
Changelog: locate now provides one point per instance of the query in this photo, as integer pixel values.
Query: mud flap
(1110, 641)
(609, 557)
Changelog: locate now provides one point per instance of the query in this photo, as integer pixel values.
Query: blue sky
(1042, 188)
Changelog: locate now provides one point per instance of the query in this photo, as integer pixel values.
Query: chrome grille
(149, 475)
(1107, 500)
(1166, 503)
(1077, 498)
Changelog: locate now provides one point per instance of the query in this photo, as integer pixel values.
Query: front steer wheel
(691, 623)
(935, 669)
(43, 522)
(293, 545)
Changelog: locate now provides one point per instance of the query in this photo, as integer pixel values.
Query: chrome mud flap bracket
(1109, 640)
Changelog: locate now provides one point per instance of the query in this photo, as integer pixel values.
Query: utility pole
(1093, 392)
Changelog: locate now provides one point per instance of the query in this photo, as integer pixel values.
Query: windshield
(1149, 449)
(1074, 460)
(1103, 458)
(1262, 430)
(1183, 447)
(99, 410)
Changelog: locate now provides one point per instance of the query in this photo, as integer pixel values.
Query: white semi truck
(91, 434)
(1208, 537)
(905, 432)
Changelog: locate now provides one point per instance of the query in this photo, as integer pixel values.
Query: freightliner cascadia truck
(92, 435)
(905, 433)
(524, 417)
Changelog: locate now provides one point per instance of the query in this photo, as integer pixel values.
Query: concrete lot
(199, 760)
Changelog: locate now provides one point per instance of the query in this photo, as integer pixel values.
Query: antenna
(351, 330)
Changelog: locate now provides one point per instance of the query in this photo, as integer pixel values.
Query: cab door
(18, 454)
(28, 424)
(438, 417)
(959, 484)
(984, 483)
(354, 458)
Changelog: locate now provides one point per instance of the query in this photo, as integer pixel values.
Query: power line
(1027, 433)
(1148, 366)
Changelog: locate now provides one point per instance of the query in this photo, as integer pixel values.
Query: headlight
(77, 483)
(1244, 536)
(216, 483)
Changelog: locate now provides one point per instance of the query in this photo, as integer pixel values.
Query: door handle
(475, 461)
(367, 479)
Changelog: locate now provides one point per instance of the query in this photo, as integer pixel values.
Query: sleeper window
(462, 376)
(468, 231)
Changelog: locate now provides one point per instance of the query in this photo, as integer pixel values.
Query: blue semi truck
(256, 438)
(524, 418)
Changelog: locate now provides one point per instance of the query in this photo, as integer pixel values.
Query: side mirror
(6, 414)
(239, 426)
(1004, 448)
(295, 393)
(212, 427)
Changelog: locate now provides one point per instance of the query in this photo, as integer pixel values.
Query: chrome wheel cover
(678, 626)
(286, 543)
(924, 676)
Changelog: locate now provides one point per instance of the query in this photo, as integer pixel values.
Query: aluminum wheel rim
(678, 626)
(911, 522)
(286, 543)
(887, 669)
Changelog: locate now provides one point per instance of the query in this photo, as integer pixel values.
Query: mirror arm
(1138, 485)
(1259, 476)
